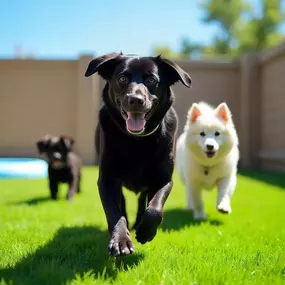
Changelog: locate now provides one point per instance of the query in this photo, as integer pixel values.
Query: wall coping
(272, 53)
(196, 63)
(264, 57)
(208, 63)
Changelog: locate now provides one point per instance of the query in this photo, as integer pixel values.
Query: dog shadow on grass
(38, 200)
(176, 219)
(73, 252)
(32, 202)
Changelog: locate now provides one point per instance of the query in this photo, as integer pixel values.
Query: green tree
(239, 31)
(166, 52)
(261, 32)
(226, 14)
(186, 51)
(189, 49)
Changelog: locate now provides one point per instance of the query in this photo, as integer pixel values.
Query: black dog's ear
(104, 65)
(173, 72)
(67, 141)
(43, 143)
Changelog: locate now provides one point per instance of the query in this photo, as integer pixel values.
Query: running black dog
(135, 141)
(64, 166)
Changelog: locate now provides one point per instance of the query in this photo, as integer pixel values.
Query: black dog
(135, 141)
(64, 166)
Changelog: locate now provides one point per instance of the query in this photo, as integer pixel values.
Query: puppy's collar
(58, 166)
(206, 170)
(145, 135)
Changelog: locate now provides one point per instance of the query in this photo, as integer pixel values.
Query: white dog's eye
(217, 134)
(202, 134)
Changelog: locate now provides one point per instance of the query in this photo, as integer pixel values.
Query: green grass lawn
(47, 242)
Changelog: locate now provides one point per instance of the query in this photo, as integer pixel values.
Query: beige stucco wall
(53, 96)
(39, 97)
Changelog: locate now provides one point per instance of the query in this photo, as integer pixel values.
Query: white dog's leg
(195, 202)
(226, 188)
(189, 202)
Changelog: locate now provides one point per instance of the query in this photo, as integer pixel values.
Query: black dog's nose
(210, 147)
(136, 100)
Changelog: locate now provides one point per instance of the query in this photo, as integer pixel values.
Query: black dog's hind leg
(141, 208)
(53, 186)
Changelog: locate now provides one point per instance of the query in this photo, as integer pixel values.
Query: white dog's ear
(223, 112)
(194, 113)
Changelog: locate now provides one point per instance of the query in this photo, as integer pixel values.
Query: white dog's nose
(209, 146)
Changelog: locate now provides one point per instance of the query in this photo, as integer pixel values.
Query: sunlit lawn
(47, 242)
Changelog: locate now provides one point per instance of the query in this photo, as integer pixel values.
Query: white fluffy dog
(207, 156)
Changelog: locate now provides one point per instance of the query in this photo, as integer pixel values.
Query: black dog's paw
(121, 244)
(147, 229)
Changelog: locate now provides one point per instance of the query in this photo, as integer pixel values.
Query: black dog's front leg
(141, 208)
(110, 194)
(124, 209)
(78, 190)
(152, 217)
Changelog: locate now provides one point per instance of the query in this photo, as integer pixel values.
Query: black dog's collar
(145, 135)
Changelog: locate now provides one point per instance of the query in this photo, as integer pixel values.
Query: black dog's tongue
(135, 122)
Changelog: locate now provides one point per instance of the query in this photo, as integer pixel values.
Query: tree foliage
(187, 50)
(241, 28)
(262, 31)
(167, 52)
(226, 15)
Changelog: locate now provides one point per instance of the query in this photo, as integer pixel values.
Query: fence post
(250, 106)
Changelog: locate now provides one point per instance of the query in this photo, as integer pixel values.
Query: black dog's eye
(217, 134)
(202, 134)
(151, 80)
(123, 79)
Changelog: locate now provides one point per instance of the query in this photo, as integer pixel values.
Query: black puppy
(64, 166)
(135, 141)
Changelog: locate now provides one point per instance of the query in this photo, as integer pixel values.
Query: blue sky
(66, 28)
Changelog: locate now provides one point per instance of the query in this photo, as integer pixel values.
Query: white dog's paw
(201, 216)
(189, 208)
(224, 207)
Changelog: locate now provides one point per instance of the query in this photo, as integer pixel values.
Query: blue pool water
(11, 168)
